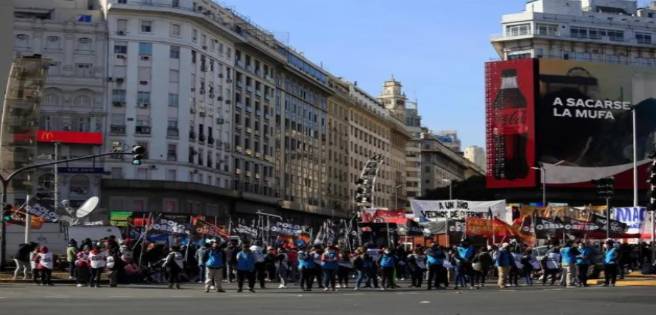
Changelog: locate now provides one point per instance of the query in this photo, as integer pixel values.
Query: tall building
(72, 36)
(476, 155)
(606, 31)
(413, 150)
(339, 179)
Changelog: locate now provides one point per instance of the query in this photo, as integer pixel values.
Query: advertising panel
(584, 118)
(510, 102)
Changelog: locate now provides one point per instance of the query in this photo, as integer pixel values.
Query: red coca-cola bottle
(510, 130)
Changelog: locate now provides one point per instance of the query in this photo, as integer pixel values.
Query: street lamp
(450, 187)
(543, 170)
(635, 157)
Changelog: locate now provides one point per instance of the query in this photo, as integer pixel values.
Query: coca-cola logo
(513, 117)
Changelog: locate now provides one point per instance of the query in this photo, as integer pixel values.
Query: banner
(437, 210)
(383, 216)
(634, 218)
(245, 231)
(169, 226)
(207, 229)
(497, 230)
(18, 218)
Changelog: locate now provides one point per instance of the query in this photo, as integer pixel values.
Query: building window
(175, 30)
(643, 38)
(84, 43)
(53, 43)
(143, 99)
(175, 52)
(616, 36)
(518, 30)
(118, 95)
(171, 175)
(145, 49)
(83, 70)
(172, 153)
(173, 100)
(547, 29)
(578, 32)
(121, 26)
(121, 48)
(146, 26)
(194, 35)
(174, 76)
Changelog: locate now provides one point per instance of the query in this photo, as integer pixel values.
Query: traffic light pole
(6, 181)
(607, 218)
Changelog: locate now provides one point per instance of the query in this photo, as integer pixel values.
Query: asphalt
(67, 299)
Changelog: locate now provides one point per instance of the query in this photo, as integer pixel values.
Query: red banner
(384, 216)
(71, 137)
(502, 231)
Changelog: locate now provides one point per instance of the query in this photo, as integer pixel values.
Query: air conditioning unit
(143, 82)
(204, 47)
(237, 171)
(119, 80)
(143, 105)
(121, 56)
(122, 33)
(118, 104)
(219, 121)
(110, 79)
(145, 57)
(220, 98)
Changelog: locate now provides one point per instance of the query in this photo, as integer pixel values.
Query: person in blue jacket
(435, 262)
(214, 262)
(610, 264)
(387, 264)
(245, 268)
(306, 267)
(568, 263)
(329, 267)
(503, 261)
(466, 254)
(583, 260)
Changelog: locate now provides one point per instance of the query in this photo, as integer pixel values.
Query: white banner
(437, 210)
(636, 219)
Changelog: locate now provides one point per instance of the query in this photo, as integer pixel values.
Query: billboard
(578, 122)
(510, 123)
(584, 118)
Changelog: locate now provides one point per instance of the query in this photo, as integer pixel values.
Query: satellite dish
(87, 207)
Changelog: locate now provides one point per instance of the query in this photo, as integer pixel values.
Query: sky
(436, 48)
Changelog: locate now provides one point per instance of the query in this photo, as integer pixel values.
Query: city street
(30, 299)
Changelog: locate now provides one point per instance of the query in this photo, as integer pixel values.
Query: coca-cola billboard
(510, 106)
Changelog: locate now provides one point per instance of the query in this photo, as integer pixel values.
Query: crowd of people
(335, 267)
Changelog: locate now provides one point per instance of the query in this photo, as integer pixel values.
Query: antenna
(87, 207)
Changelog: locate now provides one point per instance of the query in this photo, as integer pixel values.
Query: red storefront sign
(70, 137)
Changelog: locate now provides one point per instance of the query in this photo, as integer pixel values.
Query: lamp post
(635, 156)
(543, 170)
(450, 181)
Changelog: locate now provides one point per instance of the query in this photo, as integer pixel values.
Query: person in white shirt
(45, 264)
(174, 264)
(98, 262)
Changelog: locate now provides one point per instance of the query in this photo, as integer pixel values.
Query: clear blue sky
(436, 48)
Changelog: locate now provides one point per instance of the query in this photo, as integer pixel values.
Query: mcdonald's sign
(71, 137)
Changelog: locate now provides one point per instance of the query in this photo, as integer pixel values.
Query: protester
(82, 265)
(270, 264)
(214, 260)
(260, 266)
(114, 266)
(466, 253)
(317, 254)
(34, 258)
(22, 260)
(550, 266)
(282, 267)
(568, 261)
(200, 255)
(329, 267)
(98, 262)
(610, 264)
(344, 269)
(45, 264)
(417, 267)
(435, 260)
(231, 260)
(481, 264)
(503, 262)
(516, 266)
(246, 268)
(583, 260)
(306, 267)
(527, 262)
(71, 252)
(174, 264)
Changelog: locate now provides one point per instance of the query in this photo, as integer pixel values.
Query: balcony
(142, 130)
(201, 137)
(117, 129)
(210, 140)
(172, 132)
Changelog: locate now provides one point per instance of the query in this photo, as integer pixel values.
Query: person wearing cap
(568, 261)
(466, 254)
(214, 262)
(306, 268)
(583, 260)
(503, 261)
(610, 264)
(71, 252)
(260, 266)
(201, 257)
(45, 265)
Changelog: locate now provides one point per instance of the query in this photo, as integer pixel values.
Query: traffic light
(138, 154)
(652, 184)
(605, 187)
(7, 213)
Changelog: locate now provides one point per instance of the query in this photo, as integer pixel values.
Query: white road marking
(424, 302)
